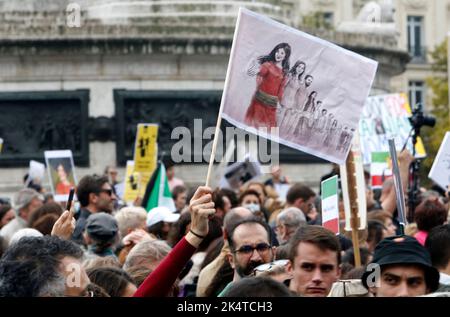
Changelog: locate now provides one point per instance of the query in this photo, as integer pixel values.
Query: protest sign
(36, 172)
(145, 150)
(440, 171)
(294, 88)
(330, 204)
(135, 183)
(385, 117)
(239, 173)
(131, 183)
(380, 169)
(61, 172)
(282, 190)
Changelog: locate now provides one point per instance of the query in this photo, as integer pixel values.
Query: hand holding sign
(200, 207)
(65, 225)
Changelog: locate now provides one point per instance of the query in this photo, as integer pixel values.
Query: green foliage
(438, 83)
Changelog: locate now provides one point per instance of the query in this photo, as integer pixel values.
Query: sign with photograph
(61, 172)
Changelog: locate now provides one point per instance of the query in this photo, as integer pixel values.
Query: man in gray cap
(101, 234)
(25, 202)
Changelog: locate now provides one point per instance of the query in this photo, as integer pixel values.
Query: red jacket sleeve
(159, 282)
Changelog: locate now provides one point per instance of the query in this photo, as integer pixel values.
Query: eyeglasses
(248, 249)
(107, 191)
(270, 266)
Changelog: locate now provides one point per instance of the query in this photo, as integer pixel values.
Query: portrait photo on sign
(294, 88)
(61, 173)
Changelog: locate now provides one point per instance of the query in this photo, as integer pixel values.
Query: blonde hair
(130, 218)
(146, 252)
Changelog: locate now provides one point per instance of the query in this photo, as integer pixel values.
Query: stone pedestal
(145, 46)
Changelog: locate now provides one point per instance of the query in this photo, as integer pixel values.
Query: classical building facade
(421, 26)
(85, 88)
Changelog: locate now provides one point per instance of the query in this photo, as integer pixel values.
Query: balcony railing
(418, 54)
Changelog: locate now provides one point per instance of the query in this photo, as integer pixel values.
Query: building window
(416, 91)
(328, 19)
(416, 47)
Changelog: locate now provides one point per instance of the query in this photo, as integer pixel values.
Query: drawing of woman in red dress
(270, 83)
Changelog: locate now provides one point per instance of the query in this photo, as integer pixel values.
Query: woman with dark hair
(43, 218)
(116, 282)
(293, 83)
(376, 231)
(270, 83)
(63, 184)
(429, 214)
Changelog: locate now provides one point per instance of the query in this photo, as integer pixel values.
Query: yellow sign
(135, 183)
(146, 150)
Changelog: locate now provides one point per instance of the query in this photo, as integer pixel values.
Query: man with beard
(249, 241)
(95, 195)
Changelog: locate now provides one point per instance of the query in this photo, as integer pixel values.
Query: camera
(418, 119)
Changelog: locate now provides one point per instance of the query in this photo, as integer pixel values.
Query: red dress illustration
(269, 90)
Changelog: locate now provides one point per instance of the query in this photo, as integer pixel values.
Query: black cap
(404, 250)
(101, 226)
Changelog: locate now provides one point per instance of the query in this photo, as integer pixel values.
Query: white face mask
(77, 206)
(252, 207)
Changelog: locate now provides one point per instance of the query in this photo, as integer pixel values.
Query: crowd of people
(220, 243)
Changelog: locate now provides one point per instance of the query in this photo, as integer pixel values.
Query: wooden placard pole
(214, 146)
(353, 198)
(222, 102)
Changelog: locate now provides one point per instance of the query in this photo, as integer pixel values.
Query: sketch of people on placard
(321, 124)
(316, 110)
(302, 94)
(348, 141)
(312, 119)
(294, 82)
(330, 133)
(300, 99)
(306, 114)
(270, 82)
(342, 139)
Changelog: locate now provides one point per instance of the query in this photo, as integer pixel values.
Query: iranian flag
(380, 169)
(330, 204)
